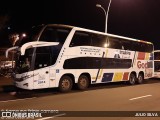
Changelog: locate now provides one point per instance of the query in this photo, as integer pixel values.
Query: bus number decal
(41, 82)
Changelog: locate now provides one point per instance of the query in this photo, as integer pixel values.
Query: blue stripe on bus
(151, 56)
(107, 77)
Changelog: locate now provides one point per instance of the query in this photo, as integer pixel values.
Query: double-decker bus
(157, 63)
(63, 56)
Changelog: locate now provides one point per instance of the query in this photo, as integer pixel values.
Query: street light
(106, 13)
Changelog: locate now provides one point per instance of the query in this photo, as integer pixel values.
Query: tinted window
(53, 34)
(119, 43)
(142, 47)
(82, 63)
(40, 62)
(81, 39)
(116, 63)
(156, 66)
(46, 56)
(127, 44)
(98, 40)
(43, 57)
(148, 47)
(156, 55)
(114, 43)
(96, 63)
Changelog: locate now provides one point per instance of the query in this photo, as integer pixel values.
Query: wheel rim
(140, 79)
(132, 79)
(83, 82)
(66, 84)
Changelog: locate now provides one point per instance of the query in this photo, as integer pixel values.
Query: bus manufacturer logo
(141, 65)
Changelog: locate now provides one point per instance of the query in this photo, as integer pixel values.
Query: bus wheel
(132, 79)
(83, 82)
(140, 78)
(65, 84)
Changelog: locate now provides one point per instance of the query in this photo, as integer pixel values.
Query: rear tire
(140, 78)
(83, 82)
(65, 84)
(132, 79)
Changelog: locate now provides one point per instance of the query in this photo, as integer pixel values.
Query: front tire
(83, 82)
(65, 84)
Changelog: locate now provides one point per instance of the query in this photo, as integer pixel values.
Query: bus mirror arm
(9, 49)
(36, 44)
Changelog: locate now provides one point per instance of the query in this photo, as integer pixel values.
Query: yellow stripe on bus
(147, 55)
(101, 70)
(118, 76)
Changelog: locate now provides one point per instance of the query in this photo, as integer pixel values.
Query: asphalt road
(113, 97)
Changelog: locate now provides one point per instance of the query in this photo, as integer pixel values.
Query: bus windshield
(23, 63)
(55, 34)
(45, 33)
(34, 57)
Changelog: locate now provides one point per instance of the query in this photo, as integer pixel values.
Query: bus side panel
(144, 62)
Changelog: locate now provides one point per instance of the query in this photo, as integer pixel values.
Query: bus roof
(156, 50)
(102, 33)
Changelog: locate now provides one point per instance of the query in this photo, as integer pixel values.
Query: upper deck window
(55, 34)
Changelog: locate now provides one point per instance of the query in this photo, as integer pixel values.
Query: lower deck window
(96, 63)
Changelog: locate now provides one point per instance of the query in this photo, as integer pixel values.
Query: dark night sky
(139, 19)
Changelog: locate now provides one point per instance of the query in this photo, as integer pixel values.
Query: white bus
(157, 63)
(62, 56)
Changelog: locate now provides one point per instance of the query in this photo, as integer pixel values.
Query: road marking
(140, 97)
(18, 99)
(45, 118)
